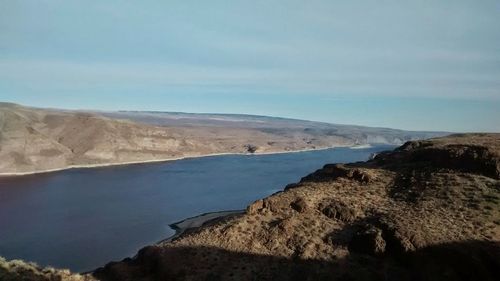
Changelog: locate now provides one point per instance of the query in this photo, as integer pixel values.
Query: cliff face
(33, 139)
(429, 210)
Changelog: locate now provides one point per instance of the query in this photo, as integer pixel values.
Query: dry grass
(411, 207)
(17, 270)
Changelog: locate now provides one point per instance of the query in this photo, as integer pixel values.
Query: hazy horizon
(210, 113)
(415, 66)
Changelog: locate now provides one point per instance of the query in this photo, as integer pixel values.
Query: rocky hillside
(17, 270)
(429, 210)
(33, 139)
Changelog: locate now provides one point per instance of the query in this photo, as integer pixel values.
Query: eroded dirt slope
(41, 139)
(34, 139)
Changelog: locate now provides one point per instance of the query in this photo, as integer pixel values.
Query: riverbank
(189, 224)
(197, 221)
(135, 204)
(429, 204)
(89, 166)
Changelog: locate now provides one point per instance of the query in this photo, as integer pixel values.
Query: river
(83, 218)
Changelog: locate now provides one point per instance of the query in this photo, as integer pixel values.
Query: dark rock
(334, 171)
(368, 240)
(255, 207)
(340, 211)
(470, 158)
(299, 205)
(250, 148)
(397, 243)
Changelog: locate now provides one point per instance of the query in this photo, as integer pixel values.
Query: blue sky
(421, 65)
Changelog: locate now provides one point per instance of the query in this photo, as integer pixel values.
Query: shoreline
(184, 225)
(195, 222)
(89, 166)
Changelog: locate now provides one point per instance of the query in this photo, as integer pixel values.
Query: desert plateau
(38, 140)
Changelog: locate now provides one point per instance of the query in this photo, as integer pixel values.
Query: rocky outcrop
(368, 240)
(334, 171)
(428, 210)
(446, 153)
(339, 210)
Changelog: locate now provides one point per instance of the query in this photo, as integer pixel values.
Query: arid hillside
(429, 210)
(18, 270)
(33, 139)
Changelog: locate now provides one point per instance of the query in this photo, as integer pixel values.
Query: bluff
(35, 140)
(429, 210)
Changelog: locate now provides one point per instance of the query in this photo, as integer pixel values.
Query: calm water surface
(83, 218)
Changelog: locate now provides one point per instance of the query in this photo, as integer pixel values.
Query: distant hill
(34, 139)
(277, 125)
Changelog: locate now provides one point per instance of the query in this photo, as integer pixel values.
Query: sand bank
(197, 221)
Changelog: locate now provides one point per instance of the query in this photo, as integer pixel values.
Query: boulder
(368, 240)
(340, 211)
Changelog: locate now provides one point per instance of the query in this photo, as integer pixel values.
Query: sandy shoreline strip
(197, 221)
(164, 160)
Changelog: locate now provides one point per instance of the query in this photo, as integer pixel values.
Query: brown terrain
(17, 270)
(429, 210)
(34, 140)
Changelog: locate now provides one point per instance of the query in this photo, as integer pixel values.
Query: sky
(416, 65)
